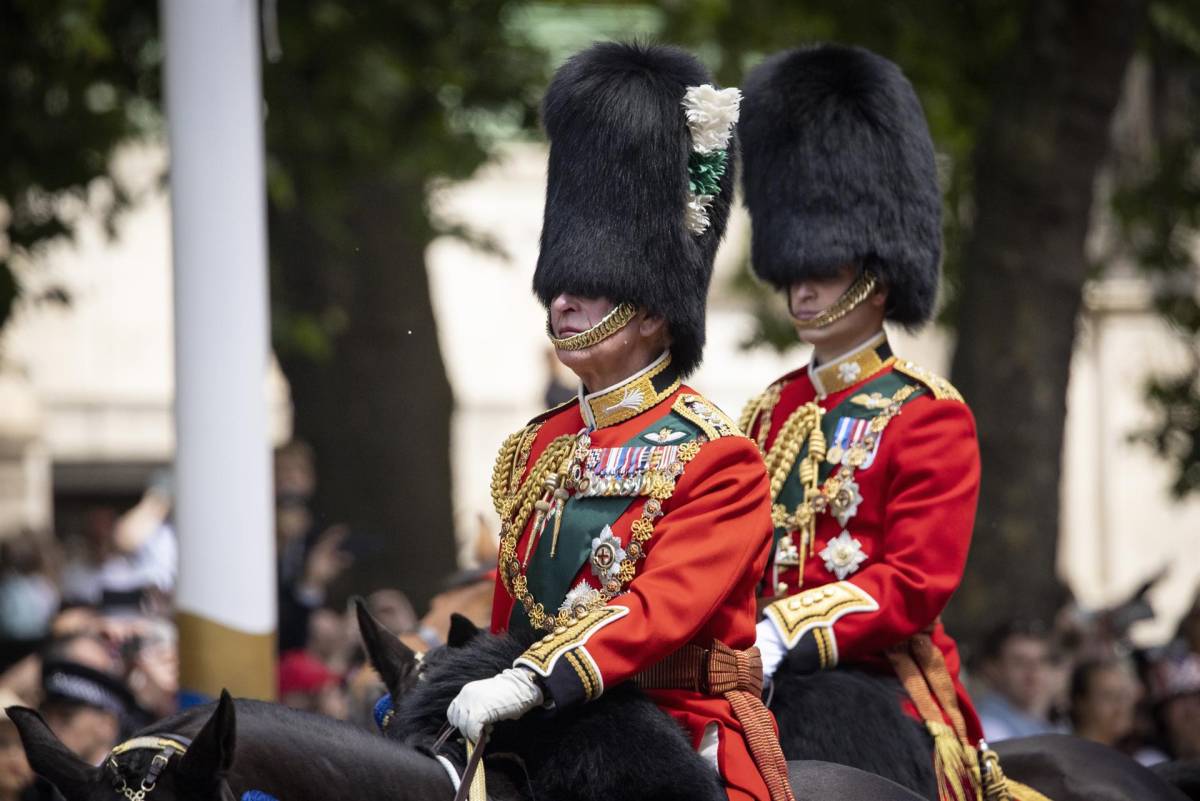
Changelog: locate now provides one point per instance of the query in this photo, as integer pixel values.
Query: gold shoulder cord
(515, 503)
(804, 425)
(760, 410)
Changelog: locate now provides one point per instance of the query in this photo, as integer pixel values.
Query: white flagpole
(226, 595)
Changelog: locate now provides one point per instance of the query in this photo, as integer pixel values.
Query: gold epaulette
(940, 387)
(704, 413)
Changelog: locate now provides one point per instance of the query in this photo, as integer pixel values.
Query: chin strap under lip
(616, 319)
(852, 298)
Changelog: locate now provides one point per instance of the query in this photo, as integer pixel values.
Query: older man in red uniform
(873, 460)
(635, 518)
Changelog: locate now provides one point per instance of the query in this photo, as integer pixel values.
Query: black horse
(619, 747)
(255, 751)
(243, 750)
(843, 716)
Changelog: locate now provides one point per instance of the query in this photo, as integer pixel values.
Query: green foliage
(77, 78)
(1159, 213)
(393, 91)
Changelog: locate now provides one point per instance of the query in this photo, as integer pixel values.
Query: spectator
(1016, 665)
(28, 596)
(15, 773)
(330, 640)
(1175, 695)
(149, 661)
(84, 707)
(127, 555)
(1103, 698)
(393, 609)
(308, 562)
(87, 648)
(306, 683)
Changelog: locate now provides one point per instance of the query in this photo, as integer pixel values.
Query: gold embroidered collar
(643, 390)
(852, 367)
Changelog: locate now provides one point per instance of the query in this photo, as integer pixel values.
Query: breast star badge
(843, 554)
(607, 555)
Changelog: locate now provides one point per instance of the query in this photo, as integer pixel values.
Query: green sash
(791, 494)
(583, 519)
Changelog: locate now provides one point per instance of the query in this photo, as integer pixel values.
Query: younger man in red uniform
(873, 461)
(635, 518)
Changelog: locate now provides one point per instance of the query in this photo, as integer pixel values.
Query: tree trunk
(1024, 268)
(377, 409)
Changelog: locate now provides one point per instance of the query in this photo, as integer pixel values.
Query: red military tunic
(675, 557)
(894, 506)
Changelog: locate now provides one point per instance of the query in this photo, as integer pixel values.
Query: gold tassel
(951, 765)
(992, 779)
(1023, 792)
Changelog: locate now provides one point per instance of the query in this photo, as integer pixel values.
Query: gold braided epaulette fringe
(705, 414)
(940, 387)
(821, 607)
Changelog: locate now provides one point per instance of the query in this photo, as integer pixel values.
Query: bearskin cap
(618, 189)
(839, 167)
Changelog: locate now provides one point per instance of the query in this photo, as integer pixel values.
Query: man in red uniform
(873, 460)
(635, 518)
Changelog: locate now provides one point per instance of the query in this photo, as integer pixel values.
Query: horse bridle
(167, 745)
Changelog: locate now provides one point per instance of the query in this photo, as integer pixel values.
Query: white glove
(771, 646)
(505, 696)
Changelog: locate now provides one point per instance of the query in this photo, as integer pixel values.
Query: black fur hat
(839, 167)
(617, 189)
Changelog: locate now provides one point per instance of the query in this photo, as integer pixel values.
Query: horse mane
(421, 712)
(853, 718)
(618, 746)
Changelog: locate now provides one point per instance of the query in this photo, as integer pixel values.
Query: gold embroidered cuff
(818, 608)
(567, 643)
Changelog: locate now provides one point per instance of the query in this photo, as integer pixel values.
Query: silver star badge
(843, 554)
(607, 555)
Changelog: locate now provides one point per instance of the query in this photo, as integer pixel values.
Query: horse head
(156, 767)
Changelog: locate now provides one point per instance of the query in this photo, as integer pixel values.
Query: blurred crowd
(86, 637)
(1080, 674)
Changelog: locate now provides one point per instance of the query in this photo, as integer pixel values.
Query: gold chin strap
(613, 322)
(859, 291)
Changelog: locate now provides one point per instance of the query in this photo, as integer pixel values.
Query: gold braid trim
(557, 463)
(760, 410)
(610, 324)
(516, 505)
(940, 387)
(802, 425)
